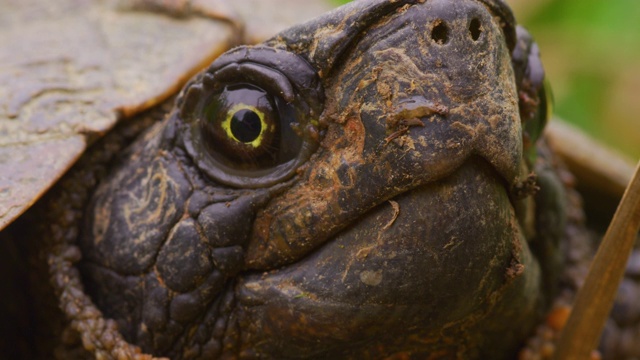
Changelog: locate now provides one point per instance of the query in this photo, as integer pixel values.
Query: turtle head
(344, 189)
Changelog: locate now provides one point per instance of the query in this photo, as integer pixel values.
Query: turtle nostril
(475, 29)
(440, 32)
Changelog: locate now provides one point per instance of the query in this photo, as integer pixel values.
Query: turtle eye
(247, 128)
(253, 116)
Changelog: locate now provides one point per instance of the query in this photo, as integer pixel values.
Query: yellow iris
(226, 124)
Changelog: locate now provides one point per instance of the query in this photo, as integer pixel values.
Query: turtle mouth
(400, 258)
(294, 226)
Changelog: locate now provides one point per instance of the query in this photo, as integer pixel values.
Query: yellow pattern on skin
(158, 183)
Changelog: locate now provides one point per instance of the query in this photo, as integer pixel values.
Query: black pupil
(246, 125)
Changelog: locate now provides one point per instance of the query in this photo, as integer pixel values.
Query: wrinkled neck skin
(399, 235)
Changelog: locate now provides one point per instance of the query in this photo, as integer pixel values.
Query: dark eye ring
(253, 117)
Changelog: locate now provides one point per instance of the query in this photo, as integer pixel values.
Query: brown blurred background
(591, 51)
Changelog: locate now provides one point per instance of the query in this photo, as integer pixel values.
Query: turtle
(373, 183)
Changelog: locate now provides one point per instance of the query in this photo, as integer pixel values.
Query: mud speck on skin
(372, 278)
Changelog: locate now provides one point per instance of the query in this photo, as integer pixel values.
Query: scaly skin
(196, 255)
(389, 210)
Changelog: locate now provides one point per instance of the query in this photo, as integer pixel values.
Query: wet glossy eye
(253, 117)
(536, 98)
(245, 127)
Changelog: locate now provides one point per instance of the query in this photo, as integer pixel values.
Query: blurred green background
(591, 52)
